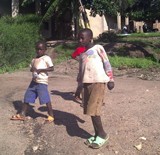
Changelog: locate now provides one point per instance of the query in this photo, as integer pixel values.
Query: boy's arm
(50, 65)
(32, 68)
(49, 69)
(106, 63)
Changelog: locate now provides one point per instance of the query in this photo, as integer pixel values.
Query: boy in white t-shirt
(40, 66)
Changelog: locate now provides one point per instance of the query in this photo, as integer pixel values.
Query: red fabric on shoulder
(78, 51)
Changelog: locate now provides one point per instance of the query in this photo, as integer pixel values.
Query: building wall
(97, 24)
(156, 25)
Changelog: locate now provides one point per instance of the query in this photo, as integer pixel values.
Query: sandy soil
(131, 115)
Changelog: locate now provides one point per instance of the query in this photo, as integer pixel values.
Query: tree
(148, 10)
(109, 7)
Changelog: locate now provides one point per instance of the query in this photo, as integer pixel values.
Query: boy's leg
(78, 91)
(21, 115)
(50, 113)
(93, 100)
(101, 137)
(49, 108)
(44, 98)
(29, 97)
(97, 123)
(24, 109)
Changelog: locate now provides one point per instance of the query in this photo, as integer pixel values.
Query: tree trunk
(119, 21)
(15, 8)
(38, 7)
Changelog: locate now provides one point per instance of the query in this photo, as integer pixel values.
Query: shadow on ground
(70, 121)
(65, 95)
(31, 112)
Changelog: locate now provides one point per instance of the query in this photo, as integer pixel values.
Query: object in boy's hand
(78, 51)
(110, 85)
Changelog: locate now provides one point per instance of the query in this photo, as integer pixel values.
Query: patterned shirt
(95, 66)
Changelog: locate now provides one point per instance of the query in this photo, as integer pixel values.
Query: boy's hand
(32, 69)
(110, 85)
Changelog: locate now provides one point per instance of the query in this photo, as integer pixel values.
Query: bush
(109, 36)
(17, 41)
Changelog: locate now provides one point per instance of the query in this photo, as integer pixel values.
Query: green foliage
(103, 7)
(57, 8)
(17, 40)
(30, 18)
(145, 10)
(52, 8)
(109, 7)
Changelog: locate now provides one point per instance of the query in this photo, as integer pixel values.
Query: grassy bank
(18, 36)
(149, 42)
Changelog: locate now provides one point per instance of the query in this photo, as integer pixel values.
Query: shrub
(109, 36)
(17, 40)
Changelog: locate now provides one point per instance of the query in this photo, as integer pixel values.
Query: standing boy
(95, 72)
(40, 66)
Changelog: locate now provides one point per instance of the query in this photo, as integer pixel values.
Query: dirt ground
(131, 115)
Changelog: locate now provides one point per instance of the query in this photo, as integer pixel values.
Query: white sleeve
(48, 61)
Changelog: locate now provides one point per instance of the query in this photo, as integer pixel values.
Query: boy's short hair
(42, 42)
(88, 31)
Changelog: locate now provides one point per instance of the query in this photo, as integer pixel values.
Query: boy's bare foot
(77, 98)
(82, 105)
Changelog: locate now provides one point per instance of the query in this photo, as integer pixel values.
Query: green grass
(128, 62)
(151, 34)
(64, 52)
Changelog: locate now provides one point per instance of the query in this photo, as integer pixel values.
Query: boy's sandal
(98, 142)
(50, 119)
(89, 141)
(17, 117)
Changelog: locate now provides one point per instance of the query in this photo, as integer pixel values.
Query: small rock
(116, 152)
(35, 148)
(138, 147)
(143, 138)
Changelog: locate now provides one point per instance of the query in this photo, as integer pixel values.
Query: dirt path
(132, 111)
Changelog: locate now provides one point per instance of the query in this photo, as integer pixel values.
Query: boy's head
(85, 37)
(41, 48)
